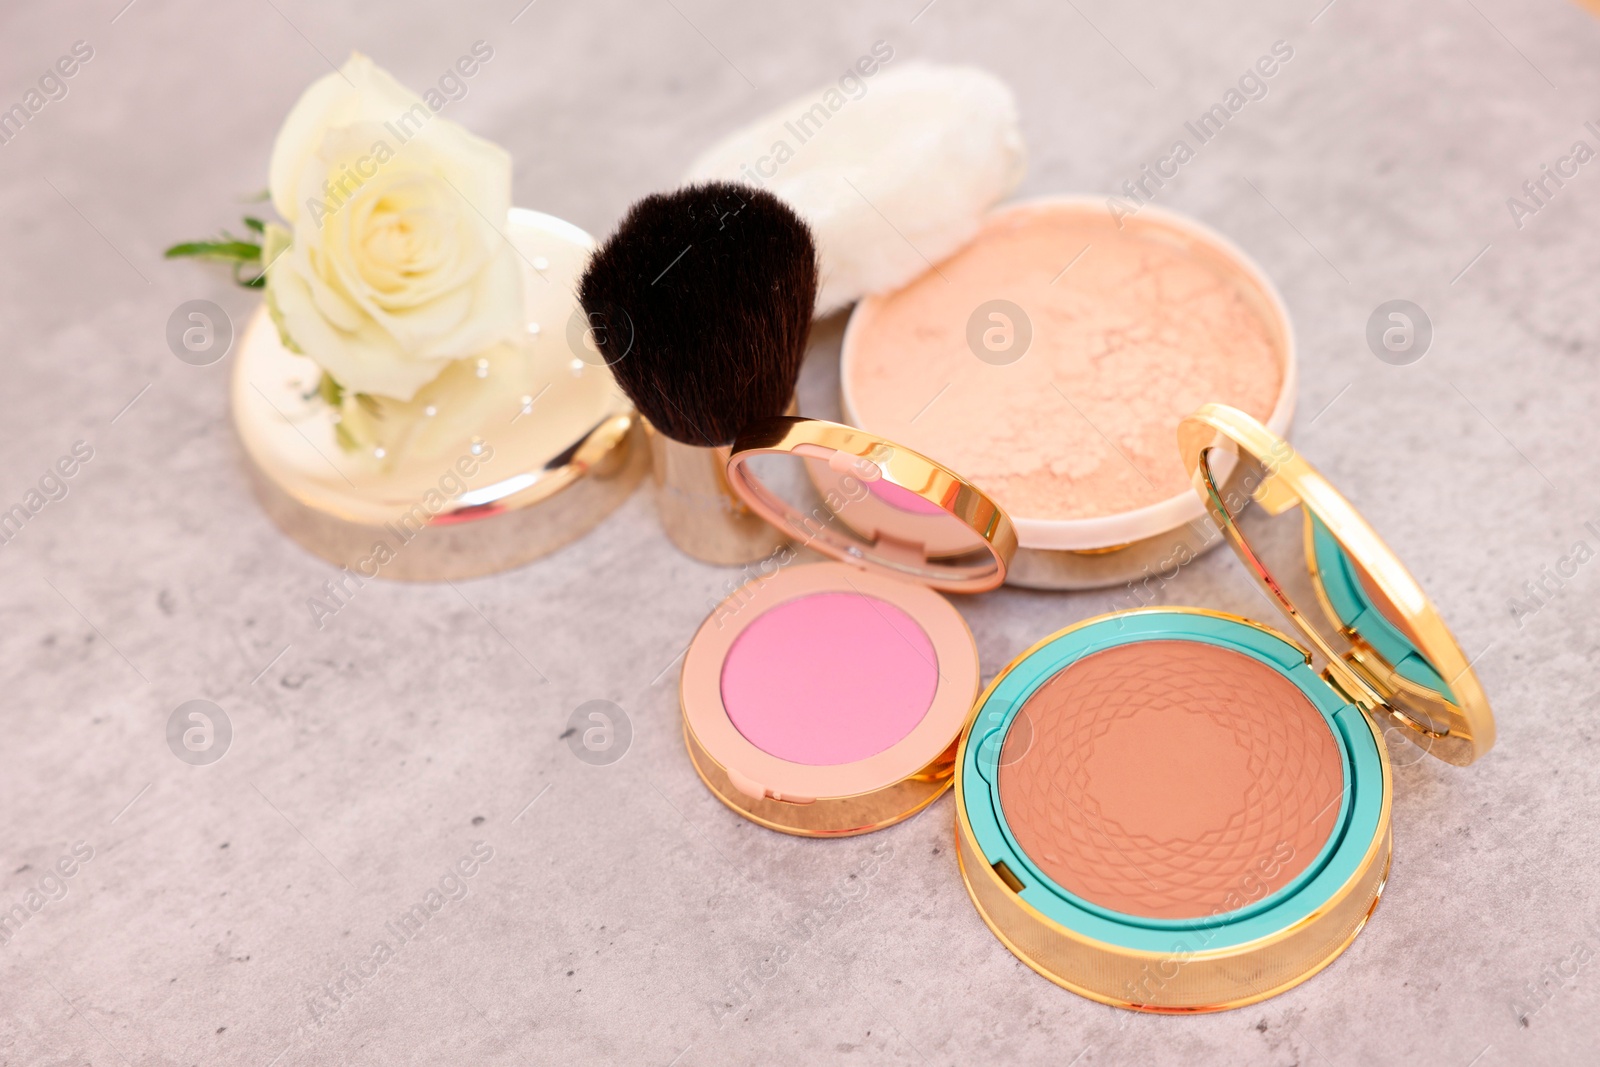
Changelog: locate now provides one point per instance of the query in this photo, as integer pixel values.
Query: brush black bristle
(700, 303)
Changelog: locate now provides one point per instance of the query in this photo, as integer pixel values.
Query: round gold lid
(1385, 646)
(498, 460)
(869, 502)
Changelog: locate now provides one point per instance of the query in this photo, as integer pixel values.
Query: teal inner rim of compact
(1360, 809)
(1356, 611)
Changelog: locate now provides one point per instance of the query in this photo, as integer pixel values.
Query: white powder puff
(891, 177)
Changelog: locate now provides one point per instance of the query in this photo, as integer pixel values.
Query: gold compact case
(499, 460)
(825, 699)
(1177, 810)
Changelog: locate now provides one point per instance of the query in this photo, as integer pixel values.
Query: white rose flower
(395, 262)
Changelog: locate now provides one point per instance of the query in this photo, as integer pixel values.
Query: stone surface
(625, 915)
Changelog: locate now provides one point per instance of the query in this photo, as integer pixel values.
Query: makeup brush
(700, 304)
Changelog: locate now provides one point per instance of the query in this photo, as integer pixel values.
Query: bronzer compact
(1177, 810)
(827, 698)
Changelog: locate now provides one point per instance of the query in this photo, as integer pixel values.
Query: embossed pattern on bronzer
(1170, 779)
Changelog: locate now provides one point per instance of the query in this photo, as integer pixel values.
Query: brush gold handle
(699, 513)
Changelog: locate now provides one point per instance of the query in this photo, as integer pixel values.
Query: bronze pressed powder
(1178, 810)
(1170, 779)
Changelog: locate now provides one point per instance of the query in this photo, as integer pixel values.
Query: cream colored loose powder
(1145, 325)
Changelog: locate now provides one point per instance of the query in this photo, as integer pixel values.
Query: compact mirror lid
(1383, 641)
(860, 499)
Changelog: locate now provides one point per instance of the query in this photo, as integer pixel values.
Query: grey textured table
(625, 916)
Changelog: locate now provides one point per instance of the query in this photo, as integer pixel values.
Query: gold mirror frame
(871, 457)
(1460, 731)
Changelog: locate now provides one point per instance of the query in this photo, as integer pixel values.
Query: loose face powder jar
(1051, 360)
(1176, 810)
(825, 699)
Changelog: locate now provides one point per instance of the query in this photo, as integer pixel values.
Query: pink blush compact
(827, 698)
(877, 677)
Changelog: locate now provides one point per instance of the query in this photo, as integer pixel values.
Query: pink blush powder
(902, 499)
(1132, 330)
(829, 679)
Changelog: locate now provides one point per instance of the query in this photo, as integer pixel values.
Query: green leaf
(276, 314)
(345, 438)
(238, 252)
(255, 281)
(228, 250)
(331, 391)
